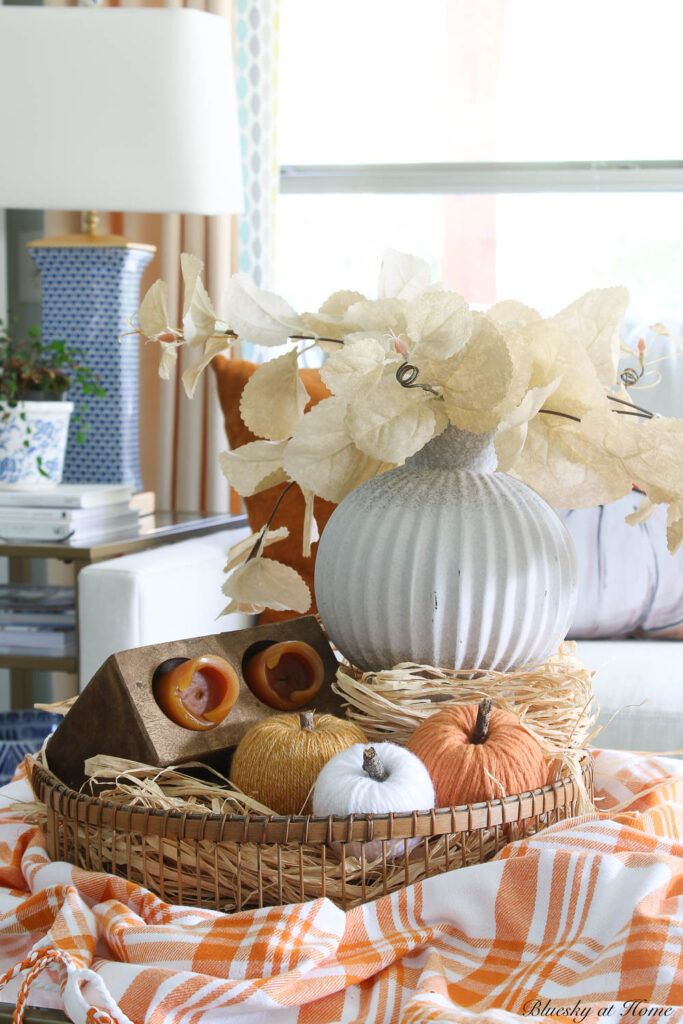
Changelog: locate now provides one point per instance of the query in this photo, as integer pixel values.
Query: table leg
(77, 568)
(21, 679)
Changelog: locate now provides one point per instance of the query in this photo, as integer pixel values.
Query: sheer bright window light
(116, 109)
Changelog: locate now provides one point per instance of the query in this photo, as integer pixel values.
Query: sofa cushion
(231, 377)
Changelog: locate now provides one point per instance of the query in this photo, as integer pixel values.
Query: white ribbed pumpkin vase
(444, 561)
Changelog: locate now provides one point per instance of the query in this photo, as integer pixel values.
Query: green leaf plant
(35, 370)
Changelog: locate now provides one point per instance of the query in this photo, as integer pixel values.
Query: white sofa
(165, 593)
(640, 682)
(175, 591)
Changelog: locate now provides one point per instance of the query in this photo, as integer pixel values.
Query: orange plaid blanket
(583, 922)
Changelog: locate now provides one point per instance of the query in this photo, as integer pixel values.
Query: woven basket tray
(229, 862)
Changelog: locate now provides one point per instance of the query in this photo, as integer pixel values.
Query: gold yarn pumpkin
(478, 752)
(278, 759)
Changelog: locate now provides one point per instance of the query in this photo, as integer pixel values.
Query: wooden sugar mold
(117, 713)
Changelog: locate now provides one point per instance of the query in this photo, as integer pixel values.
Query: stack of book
(79, 513)
(38, 618)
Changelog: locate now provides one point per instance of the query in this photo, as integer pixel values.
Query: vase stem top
(458, 449)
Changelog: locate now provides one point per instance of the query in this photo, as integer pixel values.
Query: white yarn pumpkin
(344, 787)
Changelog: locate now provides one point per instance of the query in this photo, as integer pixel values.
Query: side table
(152, 530)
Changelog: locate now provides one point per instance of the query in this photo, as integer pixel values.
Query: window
(527, 148)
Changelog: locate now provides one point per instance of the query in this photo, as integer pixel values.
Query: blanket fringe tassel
(71, 976)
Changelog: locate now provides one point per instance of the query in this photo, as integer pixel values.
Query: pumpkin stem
(306, 720)
(372, 764)
(481, 726)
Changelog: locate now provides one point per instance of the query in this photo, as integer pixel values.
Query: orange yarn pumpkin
(476, 753)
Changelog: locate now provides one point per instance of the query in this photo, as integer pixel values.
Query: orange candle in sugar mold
(285, 676)
(198, 693)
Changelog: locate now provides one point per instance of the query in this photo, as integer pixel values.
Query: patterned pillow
(231, 376)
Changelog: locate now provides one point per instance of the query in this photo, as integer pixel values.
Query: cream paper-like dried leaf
(214, 347)
(386, 341)
(642, 513)
(652, 453)
(580, 465)
(310, 531)
(361, 359)
(550, 463)
(649, 454)
(254, 467)
(169, 358)
(199, 318)
(274, 398)
(260, 317)
(321, 328)
(339, 302)
(389, 422)
(264, 583)
(438, 324)
(153, 311)
(554, 354)
(593, 321)
(329, 321)
(321, 456)
(674, 526)
(512, 432)
(382, 315)
(238, 608)
(199, 322)
(402, 276)
(238, 552)
(511, 311)
(191, 268)
(476, 390)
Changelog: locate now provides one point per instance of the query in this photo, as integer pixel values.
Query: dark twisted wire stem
(564, 415)
(407, 375)
(310, 337)
(631, 405)
(264, 530)
(640, 415)
(630, 376)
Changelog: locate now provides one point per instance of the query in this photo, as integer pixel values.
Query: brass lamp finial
(92, 220)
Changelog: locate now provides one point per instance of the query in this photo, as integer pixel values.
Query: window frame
(483, 178)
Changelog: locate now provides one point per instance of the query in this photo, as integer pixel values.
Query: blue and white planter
(46, 428)
(21, 733)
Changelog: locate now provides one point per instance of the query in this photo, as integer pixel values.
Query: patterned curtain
(256, 28)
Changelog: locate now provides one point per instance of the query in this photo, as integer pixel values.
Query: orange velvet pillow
(231, 376)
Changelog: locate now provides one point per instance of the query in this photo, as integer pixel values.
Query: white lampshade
(118, 109)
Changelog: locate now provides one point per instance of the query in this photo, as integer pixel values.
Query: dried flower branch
(546, 387)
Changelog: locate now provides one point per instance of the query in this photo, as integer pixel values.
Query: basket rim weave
(170, 823)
